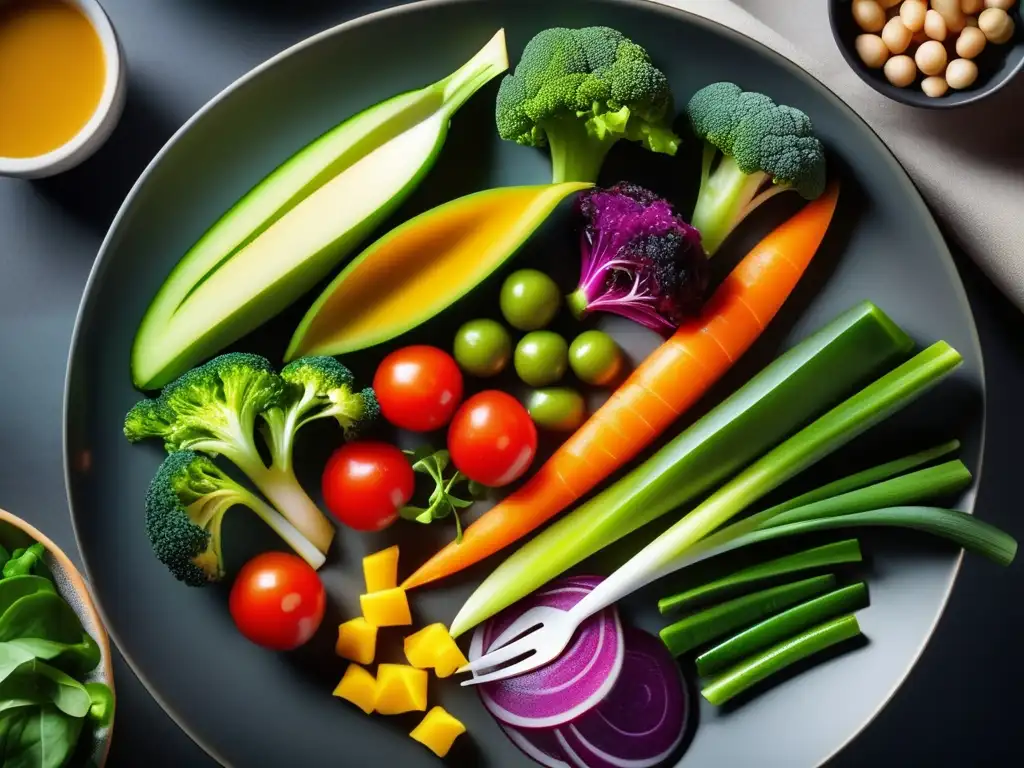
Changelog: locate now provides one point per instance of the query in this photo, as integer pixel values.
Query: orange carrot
(667, 383)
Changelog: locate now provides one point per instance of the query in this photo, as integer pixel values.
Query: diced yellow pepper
(357, 641)
(400, 689)
(438, 731)
(381, 569)
(387, 608)
(449, 660)
(358, 686)
(433, 648)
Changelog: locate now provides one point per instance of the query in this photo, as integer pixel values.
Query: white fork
(544, 632)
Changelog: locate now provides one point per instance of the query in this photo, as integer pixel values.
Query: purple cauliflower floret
(641, 260)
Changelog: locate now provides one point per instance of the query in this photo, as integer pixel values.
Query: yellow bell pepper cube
(381, 569)
(433, 648)
(357, 641)
(400, 689)
(387, 608)
(359, 687)
(438, 731)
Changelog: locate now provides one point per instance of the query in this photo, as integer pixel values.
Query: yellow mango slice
(381, 569)
(400, 689)
(433, 648)
(387, 608)
(358, 686)
(357, 641)
(438, 731)
(422, 267)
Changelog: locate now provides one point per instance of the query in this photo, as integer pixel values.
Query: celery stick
(704, 626)
(912, 488)
(754, 670)
(798, 386)
(839, 552)
(782, 626)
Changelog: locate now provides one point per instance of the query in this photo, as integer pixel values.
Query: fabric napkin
(968, 162)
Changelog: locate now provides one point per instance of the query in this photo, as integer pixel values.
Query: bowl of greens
(56, 681)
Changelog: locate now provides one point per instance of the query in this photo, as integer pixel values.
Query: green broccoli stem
(576, 154)
(283, 490)
(489, 62)
(295, 506)
(726, 196)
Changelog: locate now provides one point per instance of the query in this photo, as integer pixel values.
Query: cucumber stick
(800, 384)
(704, 626)
(836, 553)
(781, 627)
(292, 228)
(752, 671)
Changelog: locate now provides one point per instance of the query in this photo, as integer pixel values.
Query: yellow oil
(52, 71)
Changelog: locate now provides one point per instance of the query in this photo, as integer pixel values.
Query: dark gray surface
(180, 55)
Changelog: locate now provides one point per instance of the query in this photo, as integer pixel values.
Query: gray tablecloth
(968, 162)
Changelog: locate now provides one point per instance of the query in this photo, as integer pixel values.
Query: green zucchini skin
(203, 305)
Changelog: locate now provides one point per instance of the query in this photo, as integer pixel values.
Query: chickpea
(913, 12)
(996, 24)
(972, 6)
(872, 51)
(869, 15)
(935, 25)
(900, 71)
(961, 73)
(931, 57)
(950, 10)
(970, 43)
(1003, 5)
(896, 36)
(934, 86)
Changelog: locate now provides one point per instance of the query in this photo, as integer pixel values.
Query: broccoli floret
(185, 507)
(641, 260)
(581, 90)
(753, 150)
(216, 408)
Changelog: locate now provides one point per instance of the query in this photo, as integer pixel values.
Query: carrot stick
(666, 384)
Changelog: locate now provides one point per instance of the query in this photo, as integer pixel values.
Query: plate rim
(914, 196)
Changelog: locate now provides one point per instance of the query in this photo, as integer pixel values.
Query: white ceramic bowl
(100, 125)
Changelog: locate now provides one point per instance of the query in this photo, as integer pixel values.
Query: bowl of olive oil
(61, 84)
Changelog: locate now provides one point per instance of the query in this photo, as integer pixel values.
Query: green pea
(541, 358)
(557, 408)
(482, 347)
(529, 299)
(595, 358)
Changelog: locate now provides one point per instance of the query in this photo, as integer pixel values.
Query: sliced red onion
(540, 745)
(573, 684)
(642, 720)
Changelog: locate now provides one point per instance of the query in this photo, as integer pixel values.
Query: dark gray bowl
(997, 64)
(251, 707)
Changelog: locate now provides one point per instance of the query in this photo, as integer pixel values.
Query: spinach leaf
(17, 587)
(43, 614)
(23, 561)
(37, 683)
(37, 737)
(77, 659)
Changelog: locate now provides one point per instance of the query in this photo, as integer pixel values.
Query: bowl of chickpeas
(931, 53)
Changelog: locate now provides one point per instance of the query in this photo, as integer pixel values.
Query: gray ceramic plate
(249, 707)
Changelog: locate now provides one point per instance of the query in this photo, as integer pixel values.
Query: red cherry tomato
(418, 387)
(277, 601)
(492, 439)
(366, 483)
